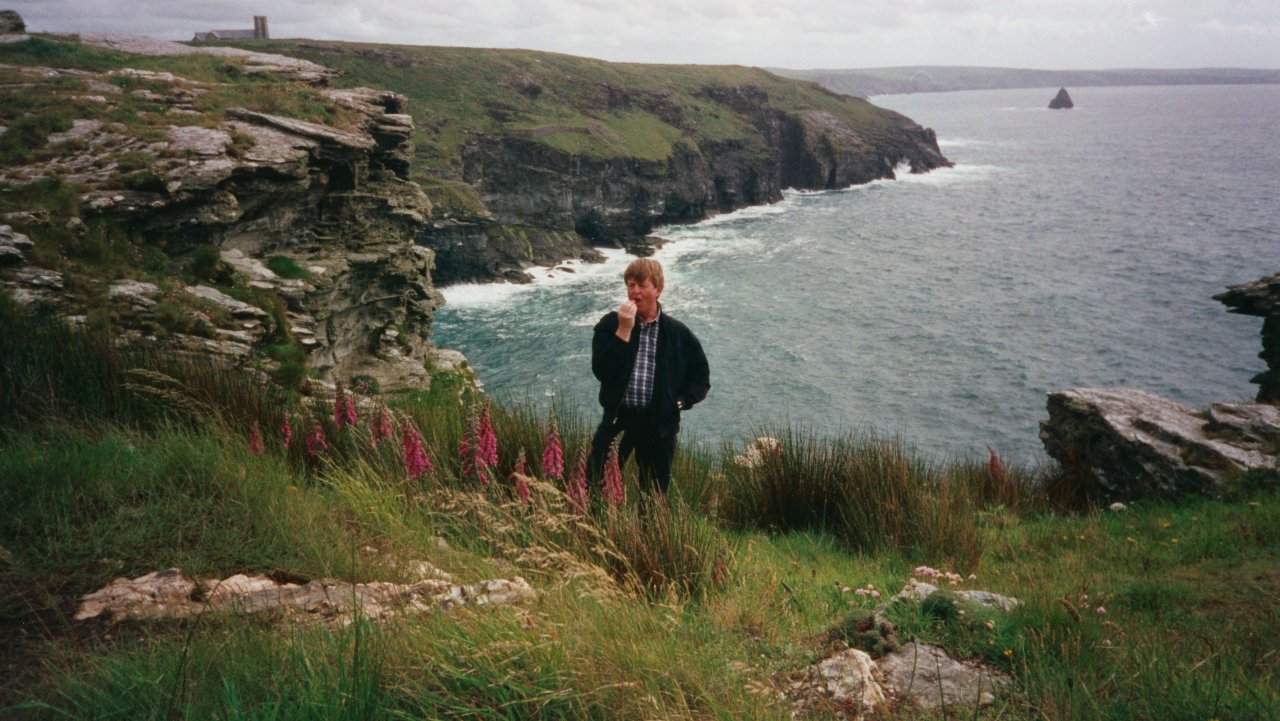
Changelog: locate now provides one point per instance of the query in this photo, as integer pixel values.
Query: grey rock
(13, 246)
(916, 591)
(169, 594)
(1061, 101)
(134, 292)
(1261, 298)
(1132, 444)
(925, 677)
(846, 681)
(236, 308)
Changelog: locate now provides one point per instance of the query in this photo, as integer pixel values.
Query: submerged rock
(1061, 101)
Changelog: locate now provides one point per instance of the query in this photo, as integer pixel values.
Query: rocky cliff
(1261, 298)
(204, 226)
(536, 157)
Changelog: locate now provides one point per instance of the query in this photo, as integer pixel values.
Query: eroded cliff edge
(533, 157)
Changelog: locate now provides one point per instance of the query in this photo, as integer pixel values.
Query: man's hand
(626, 320)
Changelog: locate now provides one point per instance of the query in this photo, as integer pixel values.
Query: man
(651, 368)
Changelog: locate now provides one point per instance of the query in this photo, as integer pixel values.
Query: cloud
(795, 33)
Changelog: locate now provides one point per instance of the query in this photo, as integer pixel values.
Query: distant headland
(933, 79)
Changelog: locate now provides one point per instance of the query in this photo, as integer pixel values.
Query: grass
(693, 608)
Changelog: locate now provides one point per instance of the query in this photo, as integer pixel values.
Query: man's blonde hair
(642, 269)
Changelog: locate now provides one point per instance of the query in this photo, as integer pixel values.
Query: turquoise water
(1066, 248)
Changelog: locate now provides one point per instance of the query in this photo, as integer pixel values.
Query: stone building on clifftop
(259, 32)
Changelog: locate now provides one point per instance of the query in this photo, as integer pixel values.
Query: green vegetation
(576, 105)
(118, 463)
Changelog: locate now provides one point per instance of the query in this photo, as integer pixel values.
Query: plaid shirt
(640, 389)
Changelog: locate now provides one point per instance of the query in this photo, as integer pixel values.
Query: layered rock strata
(1127, 444)
(334, 203)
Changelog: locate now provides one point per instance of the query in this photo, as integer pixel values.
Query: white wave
(488, 295)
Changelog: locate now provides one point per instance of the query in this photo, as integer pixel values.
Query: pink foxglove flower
(316, 441)
(995, 467)
(255, 440)
(286, 430)
(382, 428)
(339, 408)
(612, 485)
(416, 460)
(487, 442)
(576, 490)
(520, 480)
(349, 409)
(553, 454)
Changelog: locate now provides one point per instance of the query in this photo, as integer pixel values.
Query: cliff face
(229, 193)
(560, 154)
(1261, 298)
(552, 196)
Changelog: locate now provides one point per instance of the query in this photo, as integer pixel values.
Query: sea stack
(1061, 101)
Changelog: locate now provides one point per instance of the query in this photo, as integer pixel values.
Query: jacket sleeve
(697, 374)
(608, 352)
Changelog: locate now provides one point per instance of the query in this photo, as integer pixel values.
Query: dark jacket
(681, 370)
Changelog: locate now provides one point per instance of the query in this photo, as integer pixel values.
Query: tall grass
(866, 491)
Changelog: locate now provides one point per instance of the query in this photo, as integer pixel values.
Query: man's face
(645, 296)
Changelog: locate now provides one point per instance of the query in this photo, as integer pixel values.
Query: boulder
(1261, 298)
(925, 677)
(1061, 101)
(1129, 444)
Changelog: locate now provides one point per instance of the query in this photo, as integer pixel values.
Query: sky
(799, 34)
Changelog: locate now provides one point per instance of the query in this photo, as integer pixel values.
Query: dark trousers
(640, 434)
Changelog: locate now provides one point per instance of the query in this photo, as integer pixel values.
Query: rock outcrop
(556, 200)
(1127, 444)
(1061, 101)
(1261, 298)
(333, 203)
(169, 594)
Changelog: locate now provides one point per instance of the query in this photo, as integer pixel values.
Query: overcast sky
(802, 34)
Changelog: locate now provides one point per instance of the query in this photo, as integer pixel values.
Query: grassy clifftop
(574, 104)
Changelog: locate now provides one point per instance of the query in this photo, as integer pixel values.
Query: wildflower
(612, 483)
(1101, 611)
(1008, 652)
(339, 407)
(552, 454)
(383, 427)
(989, 625)
(316, 442)
(995, 467)
(487, 440)
(520, 480)
(255, 440)
(416, 460)
(1118, 506)
(350, 409)
(576, 490)
(286, 430)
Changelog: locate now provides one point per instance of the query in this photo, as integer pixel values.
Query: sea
(1068, 248)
